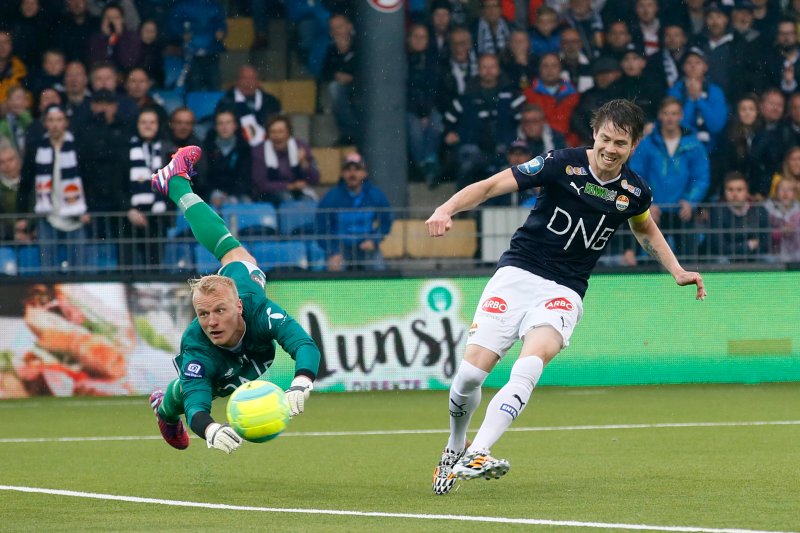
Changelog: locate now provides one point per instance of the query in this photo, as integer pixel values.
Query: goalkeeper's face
(220, 315)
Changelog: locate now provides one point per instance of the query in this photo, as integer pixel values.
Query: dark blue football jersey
(574, 218)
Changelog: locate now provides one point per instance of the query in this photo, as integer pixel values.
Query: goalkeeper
(232, 339)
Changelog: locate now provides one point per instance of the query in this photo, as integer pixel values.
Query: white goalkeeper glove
(222, 437)
(298, 393)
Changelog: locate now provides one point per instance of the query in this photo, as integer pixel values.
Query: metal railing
(289, 240)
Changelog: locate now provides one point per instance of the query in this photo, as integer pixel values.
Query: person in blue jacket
(353, 219)
(676, 163)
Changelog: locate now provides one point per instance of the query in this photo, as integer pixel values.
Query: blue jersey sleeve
(537, 172)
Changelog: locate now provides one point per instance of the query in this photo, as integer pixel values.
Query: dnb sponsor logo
(511, 410)
(494, 304)
(559, 304)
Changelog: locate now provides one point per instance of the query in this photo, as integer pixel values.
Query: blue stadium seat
(178, 256)
(279, 255)
(169, 100)
(317, 262)
(181, 228)
(204, 261)
(8, 261)
(297, 217)
(251, 219)
(29, 260)
(203, 103)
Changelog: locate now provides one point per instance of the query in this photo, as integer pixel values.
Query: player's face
(220, 316)
(612, 148)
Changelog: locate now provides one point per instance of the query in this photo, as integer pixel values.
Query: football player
(536, 293)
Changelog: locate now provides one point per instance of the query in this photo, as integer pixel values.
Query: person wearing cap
(606, 72)
(352, 220)
(439, 25)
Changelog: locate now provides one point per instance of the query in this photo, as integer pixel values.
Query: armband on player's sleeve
(638, 219)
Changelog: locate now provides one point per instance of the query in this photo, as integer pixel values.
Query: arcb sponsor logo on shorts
(494, 304)
(532, 167)
(559, 304)
(622, 202)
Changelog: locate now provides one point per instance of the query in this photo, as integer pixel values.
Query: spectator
(12, 69)
(113, 42)
(253, 106)
(784, 67)
(491, 31)
(461, 69)
(10, 175)
(50, 74)
(74, 31)
(581, 16)
(758, 44)
(423, 119)
(516, 62)
(146, 225)
(637, 85)
(152, 52)
(104, 75)
(137, 87)
(771, 145)
(575, 65)
(47, 98)
(31, 32)
(618, 40)
(310, 20)
(647, 30)
(739, 229)
(17, 118)
(704, 106)
(229, 178)
(676, 164)
(690, 15)
(766, 15)
(519, 153)
(481, 124)
(197, 29)
(52, 175)
(338, 74)
(127, 7)
(545, 34)
(606, 72)
(556, 97)
(536, 133)
(675, 47)
(740, 133)
(790, 170)
(783, 213)
(76, 94)
(772, 106)
(439, 31)
(283, 166)
(354, 218)
(103, 149)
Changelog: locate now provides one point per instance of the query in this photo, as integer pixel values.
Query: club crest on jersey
(575, 171)
(532, 167)
(601, 192)
(494, 305)
(194, 370)
(622, 202)
(636, 191)
(559, 304)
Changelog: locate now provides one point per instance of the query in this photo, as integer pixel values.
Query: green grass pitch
(674, 458)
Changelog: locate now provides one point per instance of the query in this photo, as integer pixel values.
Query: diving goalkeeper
(232, 339)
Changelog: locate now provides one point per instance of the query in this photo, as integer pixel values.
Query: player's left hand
(439, 223)
(692, 278)
(298, 393)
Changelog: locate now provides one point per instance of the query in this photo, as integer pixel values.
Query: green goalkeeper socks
(208, 228)
(172, 406)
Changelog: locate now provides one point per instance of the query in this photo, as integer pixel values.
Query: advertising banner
(389, 334)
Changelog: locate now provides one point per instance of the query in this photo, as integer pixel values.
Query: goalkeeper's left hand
(298, 393)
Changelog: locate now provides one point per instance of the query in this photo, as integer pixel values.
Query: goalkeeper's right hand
(222, 437)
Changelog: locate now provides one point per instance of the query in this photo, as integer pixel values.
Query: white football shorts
(516, 301)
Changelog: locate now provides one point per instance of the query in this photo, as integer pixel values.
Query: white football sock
(509, 402)
(465, 396)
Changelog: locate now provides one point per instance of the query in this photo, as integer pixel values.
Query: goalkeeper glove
(222, 437)
(298, 393)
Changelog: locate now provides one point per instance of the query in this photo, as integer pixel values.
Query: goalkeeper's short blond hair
(211, 284)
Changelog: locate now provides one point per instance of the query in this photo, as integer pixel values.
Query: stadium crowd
(489, 83)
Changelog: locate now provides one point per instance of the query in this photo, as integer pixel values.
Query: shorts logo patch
(194, 370)
(494, 305)
(622, 202)
(559, 304)
(532, 167)
(259, 278)
(511, 410)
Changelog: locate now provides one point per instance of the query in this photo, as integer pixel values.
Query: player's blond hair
(211, 284)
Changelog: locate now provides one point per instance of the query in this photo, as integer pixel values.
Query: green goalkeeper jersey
(208, 371)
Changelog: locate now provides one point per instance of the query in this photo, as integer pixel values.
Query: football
(258, 411)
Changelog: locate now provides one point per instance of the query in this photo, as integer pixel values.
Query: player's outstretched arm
(469, 197)
(653, 241)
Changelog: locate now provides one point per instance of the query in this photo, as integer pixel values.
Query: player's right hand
(439, 223)
(222, 437)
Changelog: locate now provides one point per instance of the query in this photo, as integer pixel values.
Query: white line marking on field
(23, 440)
(63, 402)
(376, 514)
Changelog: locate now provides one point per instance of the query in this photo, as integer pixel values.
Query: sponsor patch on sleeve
(532, 167)
(194, 369)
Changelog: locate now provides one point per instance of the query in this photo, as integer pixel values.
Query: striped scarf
(59, 195)
(271, 159)
(145, 158)
(253, 132)
(489, 42)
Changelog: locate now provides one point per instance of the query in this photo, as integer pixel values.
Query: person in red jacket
(558, 98)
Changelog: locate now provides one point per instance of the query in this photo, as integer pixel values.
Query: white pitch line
(377, 514)
(24, 440)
